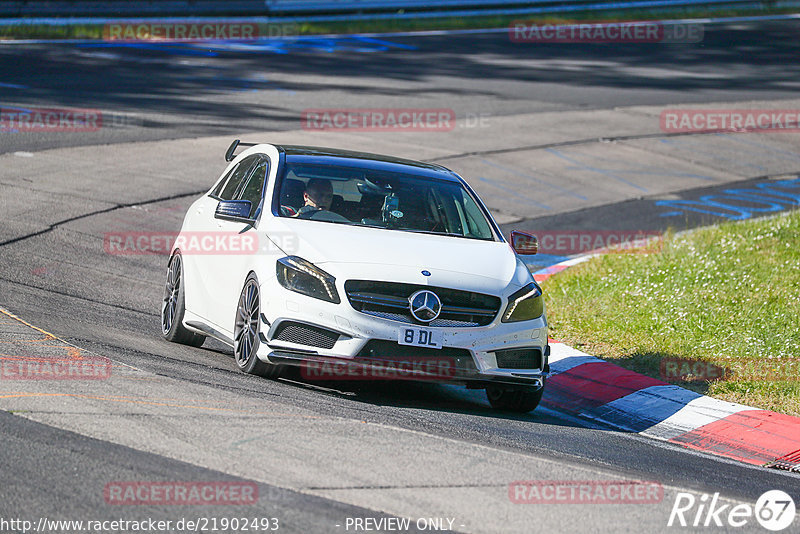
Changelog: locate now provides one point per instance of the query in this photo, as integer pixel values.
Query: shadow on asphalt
(424, 395)
(174, 78)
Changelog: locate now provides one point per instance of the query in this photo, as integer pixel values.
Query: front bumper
(370, 343)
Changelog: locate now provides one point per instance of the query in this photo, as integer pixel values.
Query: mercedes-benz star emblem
(425, 306)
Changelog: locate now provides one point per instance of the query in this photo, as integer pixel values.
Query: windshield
(366, 197)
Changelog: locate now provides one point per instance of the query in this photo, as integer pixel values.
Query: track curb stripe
(750, 436)
(593, 389)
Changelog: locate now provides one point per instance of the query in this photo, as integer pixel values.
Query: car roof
(348, 158)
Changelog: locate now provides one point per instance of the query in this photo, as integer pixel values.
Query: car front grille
(528, 358)
(304, 334)
(389, 300)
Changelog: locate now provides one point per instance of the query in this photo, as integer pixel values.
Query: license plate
(420, 337)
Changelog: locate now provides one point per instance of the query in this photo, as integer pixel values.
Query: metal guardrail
(122, 8)
(333, 8)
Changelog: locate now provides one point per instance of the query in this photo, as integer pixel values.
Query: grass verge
(95, 31)
(719, 305)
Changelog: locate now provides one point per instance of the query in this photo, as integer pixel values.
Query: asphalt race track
(552, 136)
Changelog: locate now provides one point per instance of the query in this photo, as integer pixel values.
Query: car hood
(380, 254)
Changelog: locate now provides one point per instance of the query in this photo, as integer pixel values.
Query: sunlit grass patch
(728, 295)
(403, 24)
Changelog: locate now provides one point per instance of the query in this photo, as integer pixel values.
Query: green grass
(727, 294)
(95, 31)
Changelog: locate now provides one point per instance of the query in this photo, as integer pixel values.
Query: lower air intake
(519, 359)
(304, 334)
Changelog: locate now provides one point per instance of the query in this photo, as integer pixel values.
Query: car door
(201, 253)
(231, 267)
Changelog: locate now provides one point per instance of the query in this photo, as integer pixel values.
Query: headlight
(297, 274)
(525, 304)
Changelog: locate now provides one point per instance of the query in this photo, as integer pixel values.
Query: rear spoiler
(231, 149)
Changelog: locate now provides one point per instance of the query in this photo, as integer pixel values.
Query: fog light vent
(304, 334)
(526, 358)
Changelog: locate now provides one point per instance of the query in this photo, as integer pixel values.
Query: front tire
(245, 332)
(510, 399)
(173, 307)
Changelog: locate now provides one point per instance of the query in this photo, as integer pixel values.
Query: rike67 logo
(774, 510)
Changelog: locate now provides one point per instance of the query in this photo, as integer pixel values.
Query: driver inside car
(318, 196)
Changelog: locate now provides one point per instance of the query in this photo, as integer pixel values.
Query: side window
(218, 189)
(255, 185)
(228, 187)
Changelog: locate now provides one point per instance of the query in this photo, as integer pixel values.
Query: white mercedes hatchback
(319, 258)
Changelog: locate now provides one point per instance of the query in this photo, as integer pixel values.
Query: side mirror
(524, 244)
(235, 210)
